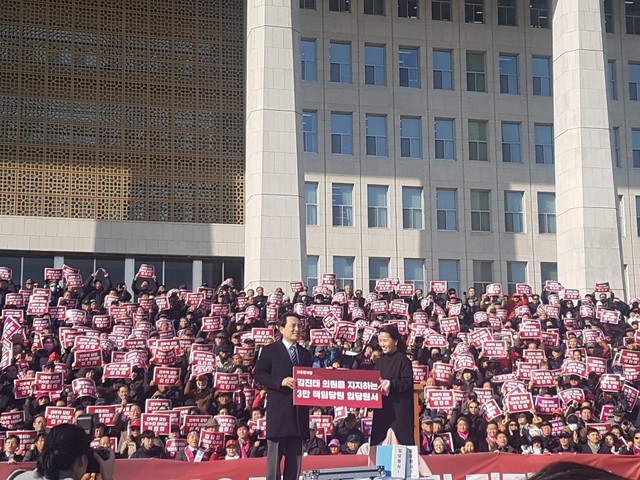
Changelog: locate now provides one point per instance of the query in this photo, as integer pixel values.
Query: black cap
(148, 434)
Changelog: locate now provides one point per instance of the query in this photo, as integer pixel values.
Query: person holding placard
(396, 386)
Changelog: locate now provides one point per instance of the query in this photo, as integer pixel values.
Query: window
(312, 271)
(482, 275)
(308, 54)
(539, 10)
(310, 131)
(638, 215)
(480, 211)
(340, 62)
(340, 6)
(449, 271)
(509, 74)
(478, 141)
(444, 139)
(376, 135)
(507, 14)
(446, 209)
(374, 7)
(513, 212)
(441, 10)
(410, 137)
(343, 269)
(378, 269)
(548, 271)
(476, 79)
(511, 142)
(612, 88)
(414, 272)
(474, 11)
(341, 133)
(544, 144)
(412, 208)
(546, 212)
(615, 146)
(408, 8)
(632, 16)
(311, 202)
(443, 69)
(375, 70)
(608, 16)
(409, 62)
(377, 206)
(634, 81)
(516, 273)
(635, 147)
(308, 4)
(342, 201)
(541, 76)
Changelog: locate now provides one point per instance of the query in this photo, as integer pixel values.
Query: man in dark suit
(287, 425)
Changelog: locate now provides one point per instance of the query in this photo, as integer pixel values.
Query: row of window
(475, 11)
(446, 204)
(414, 272)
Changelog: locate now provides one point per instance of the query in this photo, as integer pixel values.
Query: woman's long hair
(63, 446)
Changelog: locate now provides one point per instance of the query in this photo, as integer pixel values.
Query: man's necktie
(293, 353)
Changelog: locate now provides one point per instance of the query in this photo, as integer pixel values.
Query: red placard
(449, 325)
(211, 441)
(320, 337)
(574, 367)
(438, 286)
(629, 357)
(518, 402)
(296, 287)
(524, 289)
(610, 316)
(160, 423)
(525, 369)
(195, 422)
(491, 410)
(479, 336)
(546, 405)
(146, 271)
(536, 356)
(346, 331)
(495, 348)
(494, 289)
(610, 383)
(328, 279)
(405, 290)
(571, 294)
(384, 286)
(9, 420)
(553, 286)
(379, 307)
(542, 378)
(440, 399)
(399, 307)
(324, 388)
(49, 381)
(227, 424)
(117, 370)
(106, 413)
(596, 365)
(631, 372)
(570, 394)
(84, 387)
(227, 382)
(603, 287)
(23, 388)
(167, 376)
(420, 373)
(87, 359)
(442, 371)
(84, 343)
(261, 336)
(530, 329)
(58, 415)
(153, 405)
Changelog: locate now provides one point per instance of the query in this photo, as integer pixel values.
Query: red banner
(166, 376)
(49, 381)
(59, 415)
(328, 388)
(160, 423)
(106, 413)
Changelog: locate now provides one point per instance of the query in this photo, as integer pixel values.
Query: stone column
(589, 247)
(274, 233)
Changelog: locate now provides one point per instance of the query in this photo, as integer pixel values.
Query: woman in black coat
(396, 386)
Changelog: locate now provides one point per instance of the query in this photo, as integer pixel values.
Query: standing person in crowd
(287, 425)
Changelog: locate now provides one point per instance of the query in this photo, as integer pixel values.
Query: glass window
(511, 142)
(375, 70)
(548, 271)
(478, 147)
(414, 272)
(446, 209)
(509, 74)
(632, 16)
(378, 269)
(542, 76)
(310, 131)
(476, 78)
(634, 81)
(341, 133)
(445, 139)
(342, 201)
(474, 11)
(449, 271)
(539, 11)
(412, 208)
(408, 8)
(311, 202)
(615, 147)
(443, 69)
(343, 269)
(308, 54)
(374, 7)
(212, 272)
(482, 275)
(409, 64)
(377, 206)
(180, 272)
(480, 211)
(516, 273)
(546, 212)
(340, 62)
(544, 144)
(115, 267)
(410, 137)
(33, 268)
(340, 6)
(376, 135)
(441, 10)
(608, 16)
(308, 4)
(312, 271)
(612, 88)
(635, 147)
(513, 212)
(507, 13)
(15, 264)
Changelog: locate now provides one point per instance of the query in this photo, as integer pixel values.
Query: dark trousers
(291, 449)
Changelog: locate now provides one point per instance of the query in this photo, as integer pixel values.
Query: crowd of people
(530, 373)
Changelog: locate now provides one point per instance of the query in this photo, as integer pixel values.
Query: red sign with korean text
(58, 415)
(167, 376)
(323, 387)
